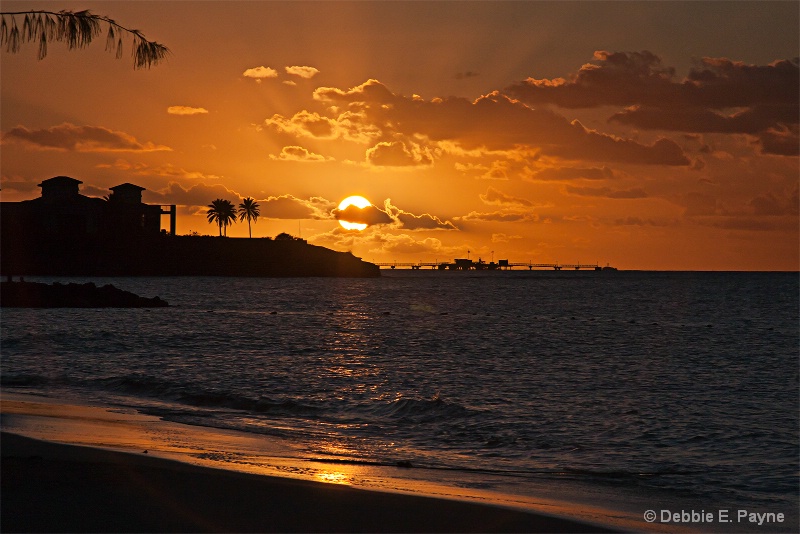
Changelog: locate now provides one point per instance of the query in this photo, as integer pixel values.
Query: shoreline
(58, 458)
(54, 487)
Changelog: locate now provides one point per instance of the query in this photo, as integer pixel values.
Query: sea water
(678, 391)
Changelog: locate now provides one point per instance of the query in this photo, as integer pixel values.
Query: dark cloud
(495, 122)
(764, 98)
(69, 137)
(494, 196)
(409, 221)
(700, 120)
(24, 186)
(195, 198)
(639, 78)
(369, 215)
(781, 141)
(291, 207)
(607, 192)
(638, 221)
(467, 74)
(573, 173)
(499, 216)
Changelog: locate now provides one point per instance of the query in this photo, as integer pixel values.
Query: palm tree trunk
(248, 228)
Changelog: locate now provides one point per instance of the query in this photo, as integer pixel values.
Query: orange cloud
(72, 138)
(398, 154)
(186, 110)
(303, 72)
(298, 153)
(493, 196)
(259, 73)
(607, 192)
(499, 216)
(409, 221)
(496, 122)
(349, 125)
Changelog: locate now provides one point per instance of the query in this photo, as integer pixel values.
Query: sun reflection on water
(333, 477)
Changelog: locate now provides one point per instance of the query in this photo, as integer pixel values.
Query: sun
(359, 202)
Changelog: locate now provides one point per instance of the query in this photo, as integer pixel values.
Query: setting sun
(357, 201)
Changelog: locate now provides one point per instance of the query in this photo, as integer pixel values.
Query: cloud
(72, 138)
(185, 110)
(631, 78)
(409, 221)
(399, 154)
(370, 215)
(466, 74)
(406, 244)
(493, 196)
(303, 72)
(259, 73)
(291, 207)
(382, 243)
(195, 198)
(606, 192)
(18, 184)
(638, 221)
(571, 173)
(298, 153)
(348, 125)
(504, 238)
(499, 216)
(781, 141)
(770, 204)
(496, 170)
(700, 120)
(167, 170)
(495, 122)
(761, 99)
(392, 216)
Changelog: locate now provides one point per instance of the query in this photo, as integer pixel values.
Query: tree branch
(77, 28)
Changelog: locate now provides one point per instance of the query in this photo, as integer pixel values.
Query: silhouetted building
(63, 213)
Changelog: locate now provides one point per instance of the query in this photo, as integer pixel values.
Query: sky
(644, 135)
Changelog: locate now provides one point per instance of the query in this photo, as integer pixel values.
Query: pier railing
(462, 265)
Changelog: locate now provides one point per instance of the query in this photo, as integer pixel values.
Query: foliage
(249, 210)
(283, 236)
(223, 213)
(77, 28)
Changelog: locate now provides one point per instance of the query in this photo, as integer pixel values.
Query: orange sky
(647, 135)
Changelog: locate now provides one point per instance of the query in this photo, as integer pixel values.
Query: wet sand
(50, 487)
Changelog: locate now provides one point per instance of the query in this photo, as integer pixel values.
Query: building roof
(127, 187)
(60, 180)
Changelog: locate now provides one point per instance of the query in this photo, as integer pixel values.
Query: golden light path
(357, 201)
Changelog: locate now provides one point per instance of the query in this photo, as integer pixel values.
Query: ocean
(648, 390)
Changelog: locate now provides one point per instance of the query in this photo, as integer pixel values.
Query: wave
(418, 410)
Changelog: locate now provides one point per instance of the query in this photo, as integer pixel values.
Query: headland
(65, 233)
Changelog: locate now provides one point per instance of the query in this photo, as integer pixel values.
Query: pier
(462, 264)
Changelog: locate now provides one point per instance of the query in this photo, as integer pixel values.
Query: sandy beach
(48, 487)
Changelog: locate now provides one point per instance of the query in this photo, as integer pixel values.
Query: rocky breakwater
(37, 295)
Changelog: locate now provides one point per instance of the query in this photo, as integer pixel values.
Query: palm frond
(76, 29)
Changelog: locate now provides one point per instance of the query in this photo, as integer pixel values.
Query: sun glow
(359, 202)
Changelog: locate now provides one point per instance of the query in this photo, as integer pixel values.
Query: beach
(58, 487)
(663, 400)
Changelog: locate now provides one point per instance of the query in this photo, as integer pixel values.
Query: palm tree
(223, 213)
(77, 28)
(248, 209)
